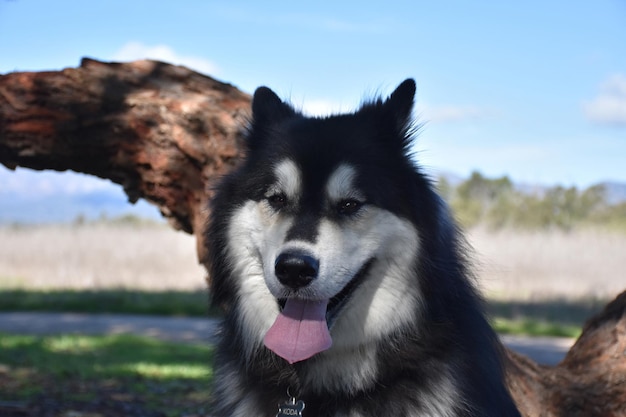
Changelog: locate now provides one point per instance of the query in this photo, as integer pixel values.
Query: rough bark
(590, 381)
(162, 132)
(165, 132)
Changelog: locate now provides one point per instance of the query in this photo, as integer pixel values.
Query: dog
(343, 278)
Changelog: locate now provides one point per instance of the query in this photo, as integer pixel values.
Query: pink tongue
(300, 330)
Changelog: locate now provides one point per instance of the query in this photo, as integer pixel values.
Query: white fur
(242, 403)
(340, 185)
(288, 180)
(441, 399)
(257, 305)
(386, 299)
(347, 370)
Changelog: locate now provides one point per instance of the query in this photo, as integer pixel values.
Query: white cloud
(322, 107)
(136, 50)
(424, 113)
(609, 106)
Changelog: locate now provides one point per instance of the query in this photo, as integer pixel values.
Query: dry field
(510, 265)
(526, 265)
(99, 256)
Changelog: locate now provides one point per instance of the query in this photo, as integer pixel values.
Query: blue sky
(535, 90)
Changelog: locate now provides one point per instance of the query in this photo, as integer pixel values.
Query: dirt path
(544, 350)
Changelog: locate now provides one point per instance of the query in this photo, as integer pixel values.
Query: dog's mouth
(301, 330)
(336, 304)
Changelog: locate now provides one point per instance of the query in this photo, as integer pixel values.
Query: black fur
(449, 330)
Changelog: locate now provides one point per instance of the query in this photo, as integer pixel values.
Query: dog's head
(316, 229)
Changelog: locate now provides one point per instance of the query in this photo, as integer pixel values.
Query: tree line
(497, 204)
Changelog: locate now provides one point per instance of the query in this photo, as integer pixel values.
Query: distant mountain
(50, 197)
(615, 192)
(65, 208)
(452, 178)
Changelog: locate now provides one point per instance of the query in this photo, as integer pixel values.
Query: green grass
(533, 327)
(559, 317)
(120, 370)
(165, 303)
(149, 376)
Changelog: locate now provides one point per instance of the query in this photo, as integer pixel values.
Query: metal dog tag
(291, 408)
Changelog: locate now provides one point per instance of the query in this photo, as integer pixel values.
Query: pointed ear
(400, 103)
(267, 107)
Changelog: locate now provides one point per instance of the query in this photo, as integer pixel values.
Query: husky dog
(343, 277)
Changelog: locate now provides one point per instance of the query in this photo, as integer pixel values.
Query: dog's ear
(267, 107)
(400, 104)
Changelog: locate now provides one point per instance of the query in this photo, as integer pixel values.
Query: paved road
(544, 350)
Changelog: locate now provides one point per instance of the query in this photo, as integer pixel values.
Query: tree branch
(162, 132)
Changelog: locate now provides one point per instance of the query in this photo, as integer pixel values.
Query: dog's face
(321, 216)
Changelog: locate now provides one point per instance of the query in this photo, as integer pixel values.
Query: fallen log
(162, 132)
(590, 381)
(165, 132)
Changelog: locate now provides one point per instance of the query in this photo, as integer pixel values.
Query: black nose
(296, 270)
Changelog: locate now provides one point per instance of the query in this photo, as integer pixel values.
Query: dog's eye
(348, 206)
(277, 201)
